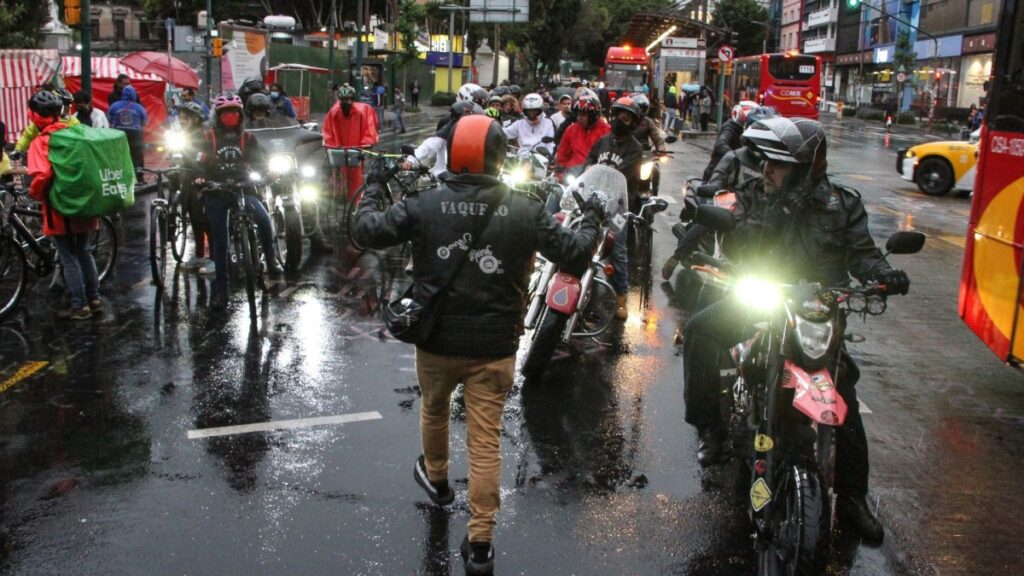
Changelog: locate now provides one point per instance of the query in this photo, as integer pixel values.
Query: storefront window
(974, 72)
(1006, 108)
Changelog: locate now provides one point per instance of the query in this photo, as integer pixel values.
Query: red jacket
(41, 171)
(359, 128)
(577, 142)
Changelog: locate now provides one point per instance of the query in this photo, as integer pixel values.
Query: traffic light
(728, 68)
(73, 12)
(715, 66)
(217, 47)
(853, 4)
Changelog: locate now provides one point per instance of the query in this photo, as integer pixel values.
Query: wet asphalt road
(100, 475)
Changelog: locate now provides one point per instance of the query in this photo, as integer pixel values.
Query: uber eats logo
(113, 182)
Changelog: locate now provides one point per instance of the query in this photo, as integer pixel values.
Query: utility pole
(359, 48)
(86, 53)
(451, 47)
(206, 43)
(330, 45)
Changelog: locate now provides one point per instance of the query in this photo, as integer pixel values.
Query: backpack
(93, 174)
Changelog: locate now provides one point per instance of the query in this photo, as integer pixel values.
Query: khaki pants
(486, 385)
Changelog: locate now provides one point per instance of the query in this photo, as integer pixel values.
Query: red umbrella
(171, 69)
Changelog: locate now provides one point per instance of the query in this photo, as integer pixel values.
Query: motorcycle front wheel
(799, 526)
(543, 343)
(292, 238)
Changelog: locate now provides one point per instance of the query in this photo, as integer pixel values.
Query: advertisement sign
(245, 55)
(974, 72)
(499, 11)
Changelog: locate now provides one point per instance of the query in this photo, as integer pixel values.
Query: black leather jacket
(728, 139)
(820, 235)
(624, 153)
(482, 312)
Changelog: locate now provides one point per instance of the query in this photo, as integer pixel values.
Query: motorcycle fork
(537, 302)
(770, 427)
(585, 283)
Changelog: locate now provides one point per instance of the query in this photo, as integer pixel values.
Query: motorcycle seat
(707, 190)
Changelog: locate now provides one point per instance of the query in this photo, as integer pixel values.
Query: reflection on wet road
(162, 438)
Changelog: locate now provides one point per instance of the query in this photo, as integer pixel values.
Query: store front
(975, 69)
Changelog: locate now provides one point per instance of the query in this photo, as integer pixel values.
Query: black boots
(855, 512)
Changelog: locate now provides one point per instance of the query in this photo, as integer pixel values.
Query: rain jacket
(359, 128)
(576, 142)
(728, 140)
(127, 114)
(31, 131)
(229, 155)
(624, 154)
(818, 235)
(41, 171)
(482, 312)
(648, 133)
(282, 106)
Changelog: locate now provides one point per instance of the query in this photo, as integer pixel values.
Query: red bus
(789, 82)
(990, 300)
(626, 70)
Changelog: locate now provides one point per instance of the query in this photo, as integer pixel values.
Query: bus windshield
(792, 68)
(624, 77)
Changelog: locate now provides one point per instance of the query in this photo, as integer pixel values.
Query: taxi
(938, 167)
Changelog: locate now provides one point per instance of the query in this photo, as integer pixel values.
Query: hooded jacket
(127, 114)
(577, 142)
(481, 314)
(41, 171)
(358, 128)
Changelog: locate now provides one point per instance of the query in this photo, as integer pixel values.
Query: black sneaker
(855, 512)
(478, 557)
(440, 493)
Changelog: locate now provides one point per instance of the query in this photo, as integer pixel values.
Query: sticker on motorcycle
(618, 221)
(763, 443)
(760, 494)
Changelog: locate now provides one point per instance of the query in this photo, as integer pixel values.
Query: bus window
(1006, 109)
(801, 68)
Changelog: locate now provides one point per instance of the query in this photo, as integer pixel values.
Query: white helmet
(470, 92)
(740, 111)
(533, 101)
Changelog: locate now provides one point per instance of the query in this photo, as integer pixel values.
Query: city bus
(626, 70)
(990, 300)
(789, 82)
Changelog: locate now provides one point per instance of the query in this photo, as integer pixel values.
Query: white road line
(864, 408)
(283, 425)
(669, 199)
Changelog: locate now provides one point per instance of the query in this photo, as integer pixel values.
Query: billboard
(499, 11)
(246, 55)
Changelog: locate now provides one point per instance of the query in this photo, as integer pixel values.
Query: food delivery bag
(93, 173)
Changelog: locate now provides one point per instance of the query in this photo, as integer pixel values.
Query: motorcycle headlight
(307, 171)
(255, 176)
(758, 294)
(308, 193)
(516, 177)
(175, 141)
(280, 164)
(646, 169)
(814, 337)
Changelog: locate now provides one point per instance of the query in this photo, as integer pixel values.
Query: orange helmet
(477, 146)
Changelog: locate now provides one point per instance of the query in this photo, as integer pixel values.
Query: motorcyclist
(796, 223)
(435, 147)
(729, 136)
(192, 121)
(580, 136)
(621, 150)
(561, 114)
(350, 124)
(250, 86)
(259, 114)
(510, 111)
(230, 154)
(647, 131)
(472, 93)
(528, 133)
(736, 166)
(478, 319)
(493, 109)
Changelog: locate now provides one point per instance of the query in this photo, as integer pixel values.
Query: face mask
(275, 95)
(230, 119)
(346, 107)
(620, 128)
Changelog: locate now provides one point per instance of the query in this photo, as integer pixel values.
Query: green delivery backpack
(93, 173)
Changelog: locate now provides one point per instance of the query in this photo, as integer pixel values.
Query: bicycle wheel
(350, 218)
(646, 246)
(259, 276)
(177, 227)
(13, 275)
(244, 258)
(158, 244)
(104, 247)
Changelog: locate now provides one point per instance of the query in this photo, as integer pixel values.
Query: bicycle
(168, 223)
(245, 252)
(25, 248)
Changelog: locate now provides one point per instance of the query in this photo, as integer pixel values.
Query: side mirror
(408, 149)
(671, 139)
(547, 139)
(716, 218)
(656, 205)
(905, 242)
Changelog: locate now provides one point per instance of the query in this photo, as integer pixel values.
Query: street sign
(725, 53)
(901, 77)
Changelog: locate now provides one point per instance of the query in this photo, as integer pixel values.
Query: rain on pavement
(120, 454)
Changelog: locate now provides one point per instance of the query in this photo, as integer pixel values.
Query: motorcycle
(650, 169)
(566, 304)
(784, 406)
(529, 169)
(294, 189)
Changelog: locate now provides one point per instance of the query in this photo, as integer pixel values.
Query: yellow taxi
(938, 167)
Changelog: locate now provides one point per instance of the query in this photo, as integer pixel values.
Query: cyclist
(350, 124)
(70, 235)
(192, 120)
(230, 153)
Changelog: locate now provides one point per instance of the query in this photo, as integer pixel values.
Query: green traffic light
(852, 3)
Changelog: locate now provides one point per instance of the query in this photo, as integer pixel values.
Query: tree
(410, 15)
(748, 19)
(21, 24)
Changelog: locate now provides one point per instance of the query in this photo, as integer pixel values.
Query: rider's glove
(596, 205)
(689, 211)
(375, 173)
(896, 281)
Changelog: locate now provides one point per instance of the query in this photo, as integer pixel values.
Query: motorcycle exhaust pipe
(537, 302)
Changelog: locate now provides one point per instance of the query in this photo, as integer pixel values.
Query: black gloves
(895, 281)
(596, 204)
(375, 173)
(689, 210)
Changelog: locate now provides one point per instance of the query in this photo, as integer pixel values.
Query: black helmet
(258, 101)
(515, 90)
(793, 141)
(192, 109)
(500, 91)
(626, 103)
(65, 96)
(471, 135)
(461, 108)
(46, 103)
(249, 87)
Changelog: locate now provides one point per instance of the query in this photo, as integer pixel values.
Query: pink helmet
(227, 101)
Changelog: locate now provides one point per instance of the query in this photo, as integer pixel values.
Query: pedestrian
(562, 111)
(671, 109)
(705, 111)
(474, 295)
(379, 102)
(87, 113)
(119, 85)
(399, 108)
(695, 111)
(414, 90)
(189, 95)
(128, 116)
(281, 104)
(71, 236)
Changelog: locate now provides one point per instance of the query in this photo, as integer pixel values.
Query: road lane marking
(954, 240)
(669, 199)
(283, 425)
(27, 369)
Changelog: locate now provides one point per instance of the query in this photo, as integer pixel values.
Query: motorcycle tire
(543, 342)
(292, 239)
(799, 513)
